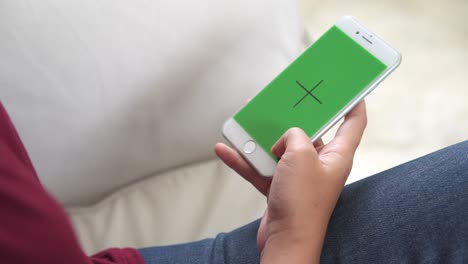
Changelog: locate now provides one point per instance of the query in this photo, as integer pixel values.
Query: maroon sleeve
(34, 228)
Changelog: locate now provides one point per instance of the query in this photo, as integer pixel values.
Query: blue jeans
(414, 213)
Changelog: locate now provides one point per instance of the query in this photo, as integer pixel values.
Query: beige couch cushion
(107, 92)
(182, 205)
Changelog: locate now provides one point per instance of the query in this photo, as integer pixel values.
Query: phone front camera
(357, 32)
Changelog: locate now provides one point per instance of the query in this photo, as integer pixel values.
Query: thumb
(293, 139)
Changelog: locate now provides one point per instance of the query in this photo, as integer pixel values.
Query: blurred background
(422, 106)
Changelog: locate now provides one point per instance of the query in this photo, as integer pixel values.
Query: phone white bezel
(259, 159)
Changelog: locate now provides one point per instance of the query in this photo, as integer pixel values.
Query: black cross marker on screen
(308, 92)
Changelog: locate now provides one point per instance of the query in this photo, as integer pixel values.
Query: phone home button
(249, 147)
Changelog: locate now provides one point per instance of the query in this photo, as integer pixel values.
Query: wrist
(286, 248)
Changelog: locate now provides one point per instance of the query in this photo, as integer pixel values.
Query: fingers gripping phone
(314, 92)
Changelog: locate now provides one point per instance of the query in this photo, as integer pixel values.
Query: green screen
(310, 91)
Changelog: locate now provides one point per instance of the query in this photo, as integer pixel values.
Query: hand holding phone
(313, 93)
(304, 189)
(308, 175)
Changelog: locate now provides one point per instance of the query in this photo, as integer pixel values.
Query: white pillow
(106, 92)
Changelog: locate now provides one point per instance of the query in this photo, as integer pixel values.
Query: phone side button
(249, 147)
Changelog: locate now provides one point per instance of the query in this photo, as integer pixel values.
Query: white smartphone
(314, 92)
